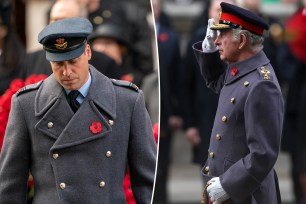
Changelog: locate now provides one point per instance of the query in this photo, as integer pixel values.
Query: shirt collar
(85, 88)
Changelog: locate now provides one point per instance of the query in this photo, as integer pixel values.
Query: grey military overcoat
(69, 162)
(246, 135)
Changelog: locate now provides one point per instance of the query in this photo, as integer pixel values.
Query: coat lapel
(74, 128)
(245, 67)
(51, 106)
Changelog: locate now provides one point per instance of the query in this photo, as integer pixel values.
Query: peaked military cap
(235, 17)
(65, 39)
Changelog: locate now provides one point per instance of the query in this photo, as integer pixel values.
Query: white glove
(208, 45)
(216, 192)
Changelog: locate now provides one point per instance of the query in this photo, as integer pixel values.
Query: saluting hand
(208, 44)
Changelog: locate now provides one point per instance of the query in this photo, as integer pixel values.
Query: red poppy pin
(163, 37)
(127, 77)
(234, 71)
(96, 127)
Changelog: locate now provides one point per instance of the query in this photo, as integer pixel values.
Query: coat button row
(218, 137)
(232, 100)
(207, 169)
(101, 184)
(108, 154)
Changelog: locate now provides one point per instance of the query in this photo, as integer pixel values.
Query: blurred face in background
(215, 9)
(109, 47)
(64, 9)
(90, 5)
(252, 5)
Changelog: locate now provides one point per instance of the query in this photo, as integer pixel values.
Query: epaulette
(125, 84)
(29, 88)
(265, 73)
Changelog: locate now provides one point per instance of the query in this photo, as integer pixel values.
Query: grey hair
(255, 41)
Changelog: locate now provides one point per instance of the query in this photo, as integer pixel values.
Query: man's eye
(73, 61)
(58, 64)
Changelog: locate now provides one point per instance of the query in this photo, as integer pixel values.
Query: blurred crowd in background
(123, 44)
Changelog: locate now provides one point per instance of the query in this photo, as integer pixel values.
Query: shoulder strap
(28, 88)
(125, 84)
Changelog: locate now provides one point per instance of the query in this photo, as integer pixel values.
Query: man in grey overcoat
(246, 135)
(77, 131)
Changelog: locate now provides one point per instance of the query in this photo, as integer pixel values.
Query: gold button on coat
(108, 154)
(107, 13)
(232, 100)
(98, 20)
(211, 155)
(62, 185)
(102, 184)
(224, 119)
(55, 156)
(207, 168)
(246, 83)
(50, 125)
(111, 122)
(218, 136)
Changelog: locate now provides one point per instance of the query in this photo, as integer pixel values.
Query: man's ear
(243, 41)
(88, 51)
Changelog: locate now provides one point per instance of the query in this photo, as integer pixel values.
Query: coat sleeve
(14, 158)
(211, 66)
(142, 153)
(263, 114)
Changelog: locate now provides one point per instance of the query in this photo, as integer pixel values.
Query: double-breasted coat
(72, 160)
(246, 135)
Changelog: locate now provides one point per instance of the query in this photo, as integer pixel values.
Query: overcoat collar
(70, 128)
(103, 95)
(245, 67)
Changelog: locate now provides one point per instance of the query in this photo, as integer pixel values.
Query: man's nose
(66, 70)
(217, 41)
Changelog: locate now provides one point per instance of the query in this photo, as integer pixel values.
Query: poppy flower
(163, 37)
(127, 77)
(234, 71)
(95, 127)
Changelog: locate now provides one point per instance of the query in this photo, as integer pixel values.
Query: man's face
(64, 9)
(72, 74)
(109, 47)
(228, 46)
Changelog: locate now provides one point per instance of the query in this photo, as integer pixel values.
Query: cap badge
(61, 44)
(265, 73)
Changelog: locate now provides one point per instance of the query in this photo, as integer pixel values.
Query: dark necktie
(74, 104)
